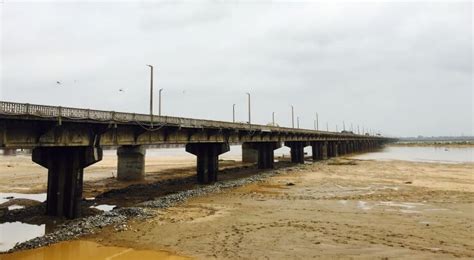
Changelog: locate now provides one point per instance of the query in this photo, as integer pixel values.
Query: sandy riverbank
(370, 209)
(331, 209)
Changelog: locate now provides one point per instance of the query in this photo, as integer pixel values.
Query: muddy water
(4, 197)
(422, 154)
(80, 249)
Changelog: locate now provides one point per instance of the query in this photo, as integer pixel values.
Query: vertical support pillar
(9, 151)
(131, 163)
(207, 159)
(324, 150)
(65, 175)
(319, 152)
(297, 151)
(249, 153)
(264, 150)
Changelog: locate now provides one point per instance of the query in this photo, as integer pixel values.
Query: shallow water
(80, 249)
(104, 207)
(422, 154)
(14, 232)
(4, 197)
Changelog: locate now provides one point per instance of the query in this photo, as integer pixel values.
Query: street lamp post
(292, 116)
(273, 118)
(298, 122)
(233, 113)
(317, 121)
(250, 121)
(159, 101)
(151, 94)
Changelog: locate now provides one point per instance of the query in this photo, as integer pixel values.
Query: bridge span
(66, 140)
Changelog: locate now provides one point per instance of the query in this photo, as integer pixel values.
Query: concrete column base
(297, 151)
(9, 151)
(207, 159)
(65, 174)
(264, 151)
(249, 153)
(131, 163)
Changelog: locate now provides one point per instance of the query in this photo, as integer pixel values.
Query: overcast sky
(402, 68)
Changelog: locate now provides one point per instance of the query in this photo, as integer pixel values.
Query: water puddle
(4, 197)
(104, 207)
(16, 232)
(79, 249)
(13, 207)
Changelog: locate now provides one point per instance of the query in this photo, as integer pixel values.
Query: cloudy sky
(404, 68)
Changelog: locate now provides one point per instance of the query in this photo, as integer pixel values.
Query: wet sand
(332, 209)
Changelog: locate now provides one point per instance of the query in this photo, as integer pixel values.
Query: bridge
(66, 140)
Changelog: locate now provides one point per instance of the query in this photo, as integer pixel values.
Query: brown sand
(368, 210)
(335, 209)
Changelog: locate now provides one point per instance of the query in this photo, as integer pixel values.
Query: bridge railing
(11, 108)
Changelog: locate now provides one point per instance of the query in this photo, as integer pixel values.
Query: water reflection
(4, 197)
(15, 232)
(80, 249)
(422, 154)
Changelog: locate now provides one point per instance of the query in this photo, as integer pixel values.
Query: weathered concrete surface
(65, 176)
(207, 159)
(131, 163)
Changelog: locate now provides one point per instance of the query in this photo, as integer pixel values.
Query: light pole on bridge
(273, 118)
(151, 94)
(250, 122)
(233, 113)
(292, 116)
(159, 101)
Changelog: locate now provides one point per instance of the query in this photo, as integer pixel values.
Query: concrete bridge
(66, 140)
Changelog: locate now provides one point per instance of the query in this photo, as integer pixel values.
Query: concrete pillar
(207, 159)
(297, 151)
(324, 150)
(264, 150)
(131, 162)
(333, 149)
(319, 150)
(9, 151)
(249, 154)
(65, 174)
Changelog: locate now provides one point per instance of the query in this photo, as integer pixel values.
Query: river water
(422, 154)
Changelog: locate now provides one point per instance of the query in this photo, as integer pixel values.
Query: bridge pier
(264, 150)
(65, 174)
(249, 153)
(9, 151)
(319, 150)
(333, 149)
(131, 162)
(207, 159)
(297, 151)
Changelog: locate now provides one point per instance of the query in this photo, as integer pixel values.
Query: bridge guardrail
(19, 109)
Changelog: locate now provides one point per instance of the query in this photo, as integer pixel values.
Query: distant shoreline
(454, 144)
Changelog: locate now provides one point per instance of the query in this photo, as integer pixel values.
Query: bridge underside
(65, 147)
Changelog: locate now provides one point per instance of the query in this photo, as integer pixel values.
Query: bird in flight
(121, 90)
(58, 82)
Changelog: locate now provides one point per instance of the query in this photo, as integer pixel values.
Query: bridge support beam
(207, 159)
(65, 174)
(297, 151)
(264, 150)
(249, 153)
(131, 163)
